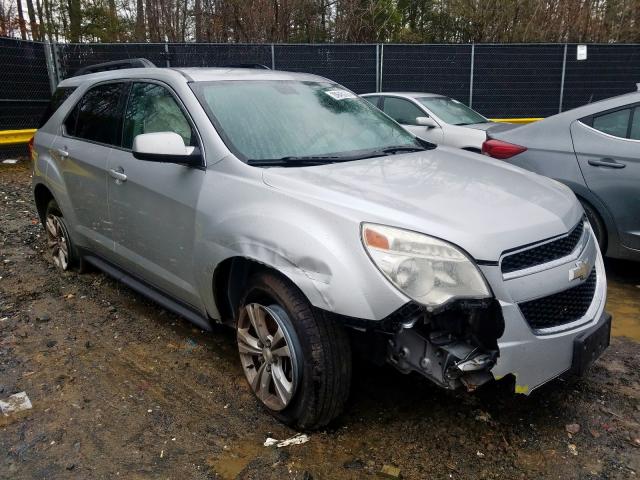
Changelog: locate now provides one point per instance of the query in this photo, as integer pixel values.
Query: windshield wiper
(295, 160)
(471, 123)
(308, 160)
(400, 149)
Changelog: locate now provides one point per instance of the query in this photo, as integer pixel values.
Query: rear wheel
(297, 361)
(60, 247)
(597, 224)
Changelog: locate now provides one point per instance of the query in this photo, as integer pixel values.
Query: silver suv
(287, 207)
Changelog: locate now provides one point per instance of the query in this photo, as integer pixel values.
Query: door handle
(118, 175)
(62, 152)
(606, 162)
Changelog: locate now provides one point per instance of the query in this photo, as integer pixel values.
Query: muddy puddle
(623, 300)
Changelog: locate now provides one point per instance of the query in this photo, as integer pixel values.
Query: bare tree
(198, 20)
(140, 30)
(420, 21)
(33, 21)
(74, 11)
(21, 23)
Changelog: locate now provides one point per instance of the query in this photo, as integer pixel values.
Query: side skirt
(150, 292)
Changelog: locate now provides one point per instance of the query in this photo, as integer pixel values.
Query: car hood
(482, 205)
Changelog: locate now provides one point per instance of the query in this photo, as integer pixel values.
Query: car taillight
(501, 150)
(31, 150)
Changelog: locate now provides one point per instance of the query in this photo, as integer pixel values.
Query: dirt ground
(122, 388)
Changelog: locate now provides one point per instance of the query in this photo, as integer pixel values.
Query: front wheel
(60, 247)
(297, 361)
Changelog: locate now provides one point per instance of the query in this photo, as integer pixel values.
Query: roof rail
(115, 65)
(259, 66)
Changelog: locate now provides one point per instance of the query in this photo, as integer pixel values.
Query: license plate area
(588, 346)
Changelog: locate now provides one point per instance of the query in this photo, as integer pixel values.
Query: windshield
(296, 121)
(452, 111)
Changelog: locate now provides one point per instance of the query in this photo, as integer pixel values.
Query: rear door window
(614, 123)
(152, 108)
(97, 116)
(401, 110)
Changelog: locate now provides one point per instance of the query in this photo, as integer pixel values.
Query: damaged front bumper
(453, 362)
(473, 344)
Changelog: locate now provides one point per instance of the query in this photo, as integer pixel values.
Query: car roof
(553, 133)
(405, 94)
(193, 75)
(602, 105)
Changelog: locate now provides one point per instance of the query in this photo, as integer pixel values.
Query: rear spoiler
(115, 65)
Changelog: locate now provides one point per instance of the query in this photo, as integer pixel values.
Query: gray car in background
(594, 150)
(290, 209)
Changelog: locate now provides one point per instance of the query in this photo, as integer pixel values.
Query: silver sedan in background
(595, 150)
(435, 118)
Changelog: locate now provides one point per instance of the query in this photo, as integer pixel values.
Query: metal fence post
(377, 67)
(473, 58)
(564, 68)
(57, 66)
(381, 64)
(51, 70)
(166, 50)
(273, 57)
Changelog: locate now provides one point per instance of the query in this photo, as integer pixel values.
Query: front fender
(319, 250)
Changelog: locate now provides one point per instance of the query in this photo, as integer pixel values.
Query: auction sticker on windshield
(340, 94)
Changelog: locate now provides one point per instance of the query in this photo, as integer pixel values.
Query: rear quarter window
(57, 99)
(614, 123)
(635, 125)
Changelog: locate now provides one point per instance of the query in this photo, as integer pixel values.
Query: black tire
(324, 366)
(74, 261)
(597, 224)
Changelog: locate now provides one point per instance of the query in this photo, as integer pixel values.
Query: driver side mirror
(426, 122)
(165, 147)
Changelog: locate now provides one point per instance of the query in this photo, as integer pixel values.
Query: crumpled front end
(547, 317)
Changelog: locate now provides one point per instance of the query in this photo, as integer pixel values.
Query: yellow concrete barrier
(515, 120)
(10, 137)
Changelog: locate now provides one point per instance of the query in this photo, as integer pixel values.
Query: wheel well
(229, 280)
(603, 224)
(42, 197)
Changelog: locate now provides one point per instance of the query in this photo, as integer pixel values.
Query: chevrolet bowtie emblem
(581, 270)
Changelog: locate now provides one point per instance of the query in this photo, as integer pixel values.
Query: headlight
(428, 270)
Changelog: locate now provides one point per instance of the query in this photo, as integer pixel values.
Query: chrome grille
(562, 307)
(544, 253)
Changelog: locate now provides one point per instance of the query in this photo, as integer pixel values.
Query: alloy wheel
(268, 355)
(57, 242)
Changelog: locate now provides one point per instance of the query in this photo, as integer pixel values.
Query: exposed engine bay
(454, 348)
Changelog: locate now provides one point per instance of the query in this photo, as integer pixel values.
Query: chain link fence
(505, 81)
(517, 80)
(608, 71)
(444, 69)
(354, 66)
(24, 90)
